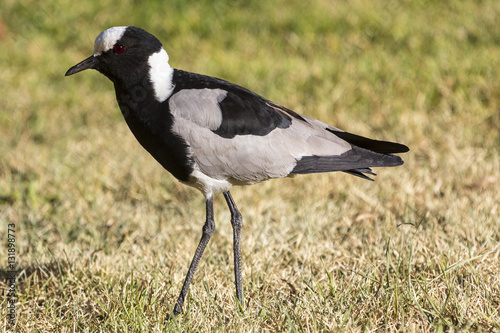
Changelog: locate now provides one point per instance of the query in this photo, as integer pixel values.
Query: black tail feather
(356, 161)
(361, 173)
(384, 147)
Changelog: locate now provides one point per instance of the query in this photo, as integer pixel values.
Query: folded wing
(238, 135)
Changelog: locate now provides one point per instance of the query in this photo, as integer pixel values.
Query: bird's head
(121, 53)
(130, 57)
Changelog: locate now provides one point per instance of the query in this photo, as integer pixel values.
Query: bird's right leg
(208, 230)
(236, 223)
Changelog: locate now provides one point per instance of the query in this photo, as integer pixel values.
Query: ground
(103, 236)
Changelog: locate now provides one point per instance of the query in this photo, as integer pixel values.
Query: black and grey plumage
(212, 134)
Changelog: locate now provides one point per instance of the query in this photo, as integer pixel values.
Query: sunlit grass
(105, 236)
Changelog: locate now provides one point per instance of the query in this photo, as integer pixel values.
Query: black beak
(89, 63)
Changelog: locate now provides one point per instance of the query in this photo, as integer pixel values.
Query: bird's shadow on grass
(34, 274)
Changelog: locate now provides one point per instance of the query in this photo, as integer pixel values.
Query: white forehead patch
(161, 75)
(107, 39)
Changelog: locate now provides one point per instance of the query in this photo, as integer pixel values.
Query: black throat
(151, 122)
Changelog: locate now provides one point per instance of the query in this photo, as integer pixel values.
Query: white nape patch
(161, 75)
(107, 39)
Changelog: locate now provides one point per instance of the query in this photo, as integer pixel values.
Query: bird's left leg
(208, 230)
(237, 224)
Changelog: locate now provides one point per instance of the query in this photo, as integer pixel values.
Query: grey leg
(208, 230)
(236, 223)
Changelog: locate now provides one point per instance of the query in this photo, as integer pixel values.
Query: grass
(104, 236)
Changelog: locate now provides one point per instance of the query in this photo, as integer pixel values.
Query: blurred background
(89, 202)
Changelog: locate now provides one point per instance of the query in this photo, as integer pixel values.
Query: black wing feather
(244, 115)
(243, 111)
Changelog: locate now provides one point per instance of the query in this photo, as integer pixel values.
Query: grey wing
(294, 145)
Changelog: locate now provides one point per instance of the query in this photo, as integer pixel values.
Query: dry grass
(104, 236)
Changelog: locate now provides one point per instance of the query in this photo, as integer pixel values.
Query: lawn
(104, 236)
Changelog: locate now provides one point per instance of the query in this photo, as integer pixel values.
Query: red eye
(118, 49)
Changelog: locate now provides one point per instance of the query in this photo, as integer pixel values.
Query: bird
(212, 134)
